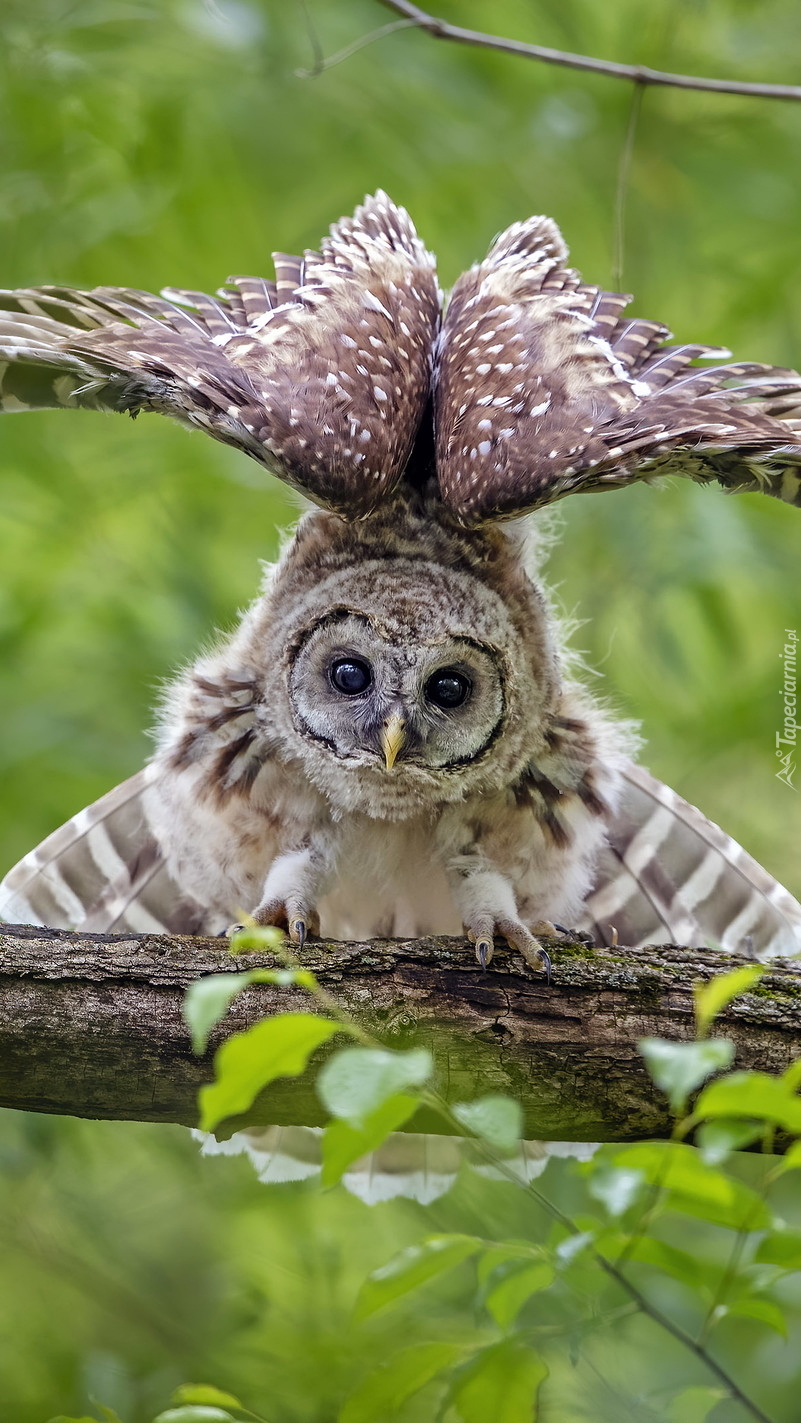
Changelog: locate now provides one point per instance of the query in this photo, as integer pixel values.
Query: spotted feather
(544, 388)
(323, 375)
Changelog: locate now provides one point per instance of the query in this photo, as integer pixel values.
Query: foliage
(171, 141)
(532, 1297)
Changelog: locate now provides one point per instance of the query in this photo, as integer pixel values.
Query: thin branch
(640, 74)
(321, 63)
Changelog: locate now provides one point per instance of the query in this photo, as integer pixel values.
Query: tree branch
(90, 1025)
(640, 74)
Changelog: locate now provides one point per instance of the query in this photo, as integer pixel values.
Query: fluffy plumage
(388, 743)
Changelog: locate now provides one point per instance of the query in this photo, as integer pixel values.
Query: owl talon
(295, 918)
(576, 936)
(484, 951)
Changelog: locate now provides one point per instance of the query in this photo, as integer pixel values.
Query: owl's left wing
(669, 875)
(544, 387)
(322, 375)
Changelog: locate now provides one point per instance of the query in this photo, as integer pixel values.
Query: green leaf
(245, 1064)
(752, 1094)
(718, 1139)
(574, 1245)
(695, 1188)
(506, 1299)
(791, 1161)
(256, 938)
(195, 1413)
(678, 1068)
(766, 1311)
(413, 1267)
(205, 1393)
(691, 1271)
(711, 997)
(781, 1247)
(207, 1000)
(523, 1252)
(792, 1075)
(357, 1080)
(501, 1384)
(694, 1405)
(498, 1120)
(384, 1391)
(63, 1418)
(344, 1144)
(616, 1187)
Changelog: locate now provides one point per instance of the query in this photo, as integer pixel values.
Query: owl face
(398, 683)
(391, 706)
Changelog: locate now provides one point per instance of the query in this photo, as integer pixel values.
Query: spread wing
(103, 872)
(669, 875)
(544, 387)
(322, 375)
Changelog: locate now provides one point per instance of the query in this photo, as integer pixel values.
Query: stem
(438, 1104)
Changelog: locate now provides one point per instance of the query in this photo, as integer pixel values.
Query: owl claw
(296, 918)
(484, 950)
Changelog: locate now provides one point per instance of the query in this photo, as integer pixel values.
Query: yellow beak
(393, 735)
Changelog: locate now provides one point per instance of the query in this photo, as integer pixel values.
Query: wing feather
(544, 388)
(670, 875)
(323, 375)
(103, 871)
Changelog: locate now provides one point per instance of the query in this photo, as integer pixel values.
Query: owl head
(418, 675)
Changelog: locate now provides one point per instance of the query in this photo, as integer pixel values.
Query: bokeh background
(177, 141)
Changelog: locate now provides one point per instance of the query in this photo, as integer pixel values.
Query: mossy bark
(90, 1025)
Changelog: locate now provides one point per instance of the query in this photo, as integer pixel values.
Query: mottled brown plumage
(389, 743)
(386, 808)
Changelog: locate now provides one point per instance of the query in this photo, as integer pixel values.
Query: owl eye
(448, 688)
(350, 675)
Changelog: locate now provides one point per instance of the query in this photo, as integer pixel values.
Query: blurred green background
(175, 142)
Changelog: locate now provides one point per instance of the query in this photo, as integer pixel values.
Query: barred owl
(389, 742)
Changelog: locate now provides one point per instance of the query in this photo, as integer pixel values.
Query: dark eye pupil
(447, 689)
(350, 675)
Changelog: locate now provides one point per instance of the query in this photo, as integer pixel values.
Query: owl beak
(393, 736)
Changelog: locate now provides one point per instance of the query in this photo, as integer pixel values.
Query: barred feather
(667, 875)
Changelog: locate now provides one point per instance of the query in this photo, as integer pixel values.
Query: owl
(391, 742)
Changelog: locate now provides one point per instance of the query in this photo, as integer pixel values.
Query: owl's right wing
(669, 875)
(103, 872)
(322, 375)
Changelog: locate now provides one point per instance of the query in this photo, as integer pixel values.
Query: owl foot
(482, 933)
(297, 919)
(577, 936)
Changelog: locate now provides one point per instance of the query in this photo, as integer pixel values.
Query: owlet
(389, 744)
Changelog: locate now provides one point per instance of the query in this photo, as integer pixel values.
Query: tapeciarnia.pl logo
(787, 739)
